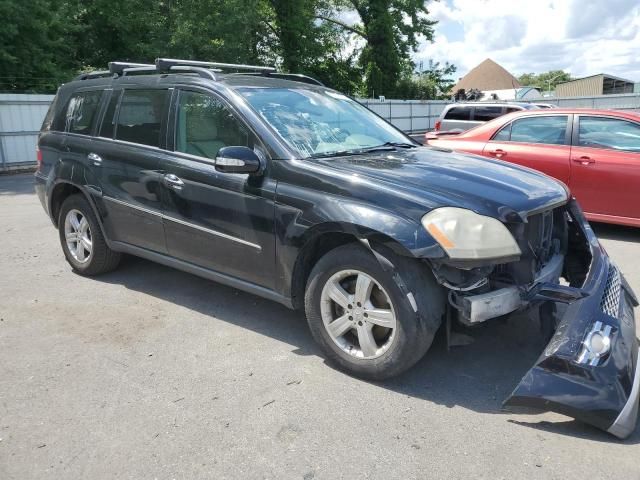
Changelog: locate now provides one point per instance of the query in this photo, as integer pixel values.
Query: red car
(595, 152)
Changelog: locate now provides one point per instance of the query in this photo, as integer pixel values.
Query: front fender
(298, 223)
(325, 213)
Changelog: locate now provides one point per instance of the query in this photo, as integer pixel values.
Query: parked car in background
(544, 105)
(595, 152)
(459, 117)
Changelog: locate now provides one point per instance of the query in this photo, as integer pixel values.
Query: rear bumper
(41, 190)
(567, 378)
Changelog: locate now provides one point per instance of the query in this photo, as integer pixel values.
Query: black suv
(276, 185)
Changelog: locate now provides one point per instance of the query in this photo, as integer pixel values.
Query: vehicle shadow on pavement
(616, 232)
(16, 184)
(477, 376)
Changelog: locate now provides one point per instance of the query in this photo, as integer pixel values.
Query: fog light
(596, 345)
(599, 344)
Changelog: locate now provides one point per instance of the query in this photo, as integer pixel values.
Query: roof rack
(118, 68)
(203, 69)
(203, 72)
(295, 77)
(164, 64)
(96, 74)
(129, 71)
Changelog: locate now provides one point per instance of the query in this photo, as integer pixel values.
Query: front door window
(205, 125)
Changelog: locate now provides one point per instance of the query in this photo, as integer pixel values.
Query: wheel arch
(325, 237)
(62, 190)
(59, 193)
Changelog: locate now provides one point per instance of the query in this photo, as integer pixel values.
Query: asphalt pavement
(150, 373)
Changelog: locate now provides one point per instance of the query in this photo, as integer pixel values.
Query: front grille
(539, 236)
(610, 303)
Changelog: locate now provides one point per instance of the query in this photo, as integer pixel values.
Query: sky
(583, 37)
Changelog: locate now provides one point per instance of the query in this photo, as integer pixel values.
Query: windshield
(320, 123)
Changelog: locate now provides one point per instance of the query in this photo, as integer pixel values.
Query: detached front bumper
(589, 368)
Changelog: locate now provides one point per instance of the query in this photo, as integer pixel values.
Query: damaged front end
(589, 368)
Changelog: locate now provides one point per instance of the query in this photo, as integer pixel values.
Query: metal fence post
(3, 158)
(410, 116)
(3, 163)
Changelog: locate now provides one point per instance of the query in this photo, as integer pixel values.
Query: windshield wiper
(338, 153)
(385, 147)
(390, 146)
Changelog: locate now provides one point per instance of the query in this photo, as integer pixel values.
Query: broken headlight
(465, 235)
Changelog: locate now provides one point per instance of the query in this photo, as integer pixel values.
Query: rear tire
(362, 319)
(83, 243)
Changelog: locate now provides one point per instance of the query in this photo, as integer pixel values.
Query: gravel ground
(152, 373)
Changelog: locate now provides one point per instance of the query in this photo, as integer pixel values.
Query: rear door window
(549, 130)
(486, 113)
(611, 133)
(141, 116)
(81, 112)
(458, 113)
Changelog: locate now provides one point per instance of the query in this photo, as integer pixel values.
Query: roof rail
(295, 77)
(164, 64)
(118, 68)
(203, 69)
(128, 71)
(96, 74)
(203, 72)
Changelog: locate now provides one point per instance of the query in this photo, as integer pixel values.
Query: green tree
(295, 29)
(107, 30)
(234, 31)
(431, 83)
(544, 81)
(391, 30)
(35, 51)
(45, 42)
(314, 48)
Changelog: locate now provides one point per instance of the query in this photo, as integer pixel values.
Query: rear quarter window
(48, 123)
(81, 112)
(484, 114)
(458, 113)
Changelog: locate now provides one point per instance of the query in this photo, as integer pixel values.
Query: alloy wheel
(77, 234)
(358, 314)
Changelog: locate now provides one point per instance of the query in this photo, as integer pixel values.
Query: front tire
(82, 241)
(362, 319)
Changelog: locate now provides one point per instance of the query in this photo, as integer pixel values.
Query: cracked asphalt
(150, 373)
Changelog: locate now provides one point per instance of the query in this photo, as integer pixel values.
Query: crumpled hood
(444, 178)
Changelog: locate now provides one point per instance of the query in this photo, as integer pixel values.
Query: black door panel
(220, 221)
(129, 179)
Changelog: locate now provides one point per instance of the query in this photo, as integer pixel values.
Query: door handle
(498, 152)
(584, 160)
(172, 181)
(95, 159)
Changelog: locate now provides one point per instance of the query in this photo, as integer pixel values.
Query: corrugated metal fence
(626, 101)
(21, 117)
(409, 115)
(20, 120)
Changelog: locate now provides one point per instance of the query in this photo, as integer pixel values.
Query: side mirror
(237, 160)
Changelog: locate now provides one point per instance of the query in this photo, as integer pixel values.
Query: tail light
(38, 158)
(437, 126)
